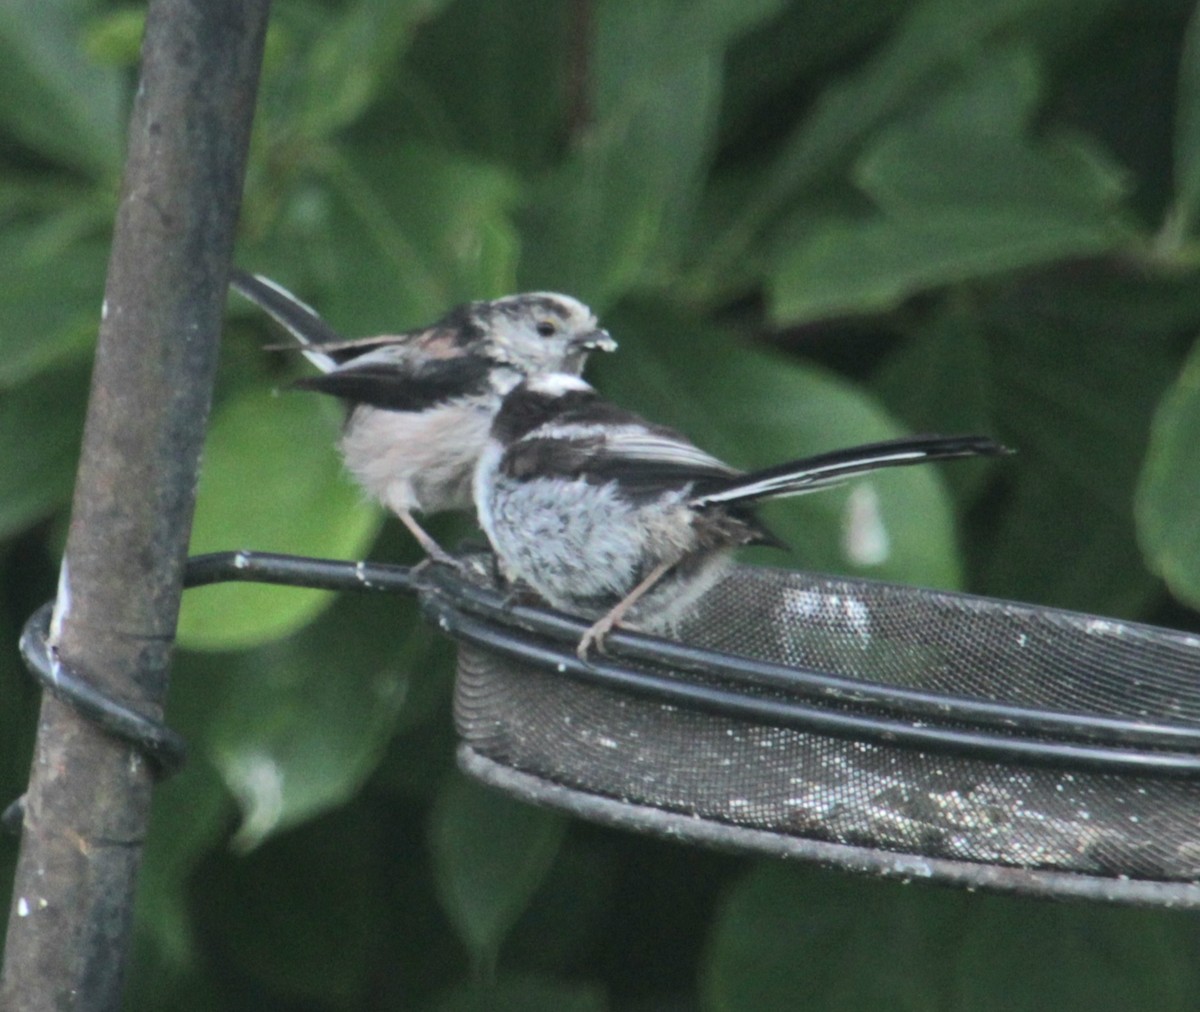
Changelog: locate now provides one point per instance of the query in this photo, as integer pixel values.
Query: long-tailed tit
(599, 510)
(421, 402)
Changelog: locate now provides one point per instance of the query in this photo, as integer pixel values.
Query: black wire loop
(166, 749)
(163, 747)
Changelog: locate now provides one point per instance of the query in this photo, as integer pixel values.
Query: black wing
(404, 387)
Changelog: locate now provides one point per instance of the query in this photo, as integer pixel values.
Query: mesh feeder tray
(903, 732)
(882, 729)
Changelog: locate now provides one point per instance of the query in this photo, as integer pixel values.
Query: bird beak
(598, 340)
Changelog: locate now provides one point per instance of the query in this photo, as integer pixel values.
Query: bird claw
(444, 558)
(595, 636)
(439, 557)
(518, 594)
(434, 552)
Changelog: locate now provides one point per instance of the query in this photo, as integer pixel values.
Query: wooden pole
(89, 795)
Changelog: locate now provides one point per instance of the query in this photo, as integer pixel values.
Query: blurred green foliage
(809, 223)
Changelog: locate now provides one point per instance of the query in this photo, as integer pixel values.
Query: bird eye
(546, 329)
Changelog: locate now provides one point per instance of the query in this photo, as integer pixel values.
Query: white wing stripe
(633, 442)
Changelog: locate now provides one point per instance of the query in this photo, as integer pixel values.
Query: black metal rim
(904, 866)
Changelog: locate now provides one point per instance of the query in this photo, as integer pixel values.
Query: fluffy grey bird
(599, 510)
(420, 403)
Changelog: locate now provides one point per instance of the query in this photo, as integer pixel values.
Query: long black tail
(296, 317)
(811, 473)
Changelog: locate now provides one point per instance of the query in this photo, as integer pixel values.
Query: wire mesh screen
(995, 733)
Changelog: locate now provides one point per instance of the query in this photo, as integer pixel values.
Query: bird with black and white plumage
(601, 512)
(421, 402)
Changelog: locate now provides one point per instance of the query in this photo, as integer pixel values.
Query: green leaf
(754, 408)
(1187, 130)
(938, 378)
(803, 40)
(1079, 363)
(935, 41)
(937, 37)
(41, 425)
(303, 722)
(490, 854)
(574, 906)
(1168, 490)
(524, 994)
(391, 237)
(604, 219)
(995, 97)
(50, 296)
(940, 46)
(790, 938)
(270, 481)
(420, 754)
(1028, 955)
(971, 150)
(305, 915)
(960, 194)
(190, 816)
(53, 210)
(453, 211)
(1058, 27)
(52, 97)
(511, 107)
(596, 225)
(114, 38)
(190, 819)
(353, 58)
(871, 266)
(918, 172)
(22, 697)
